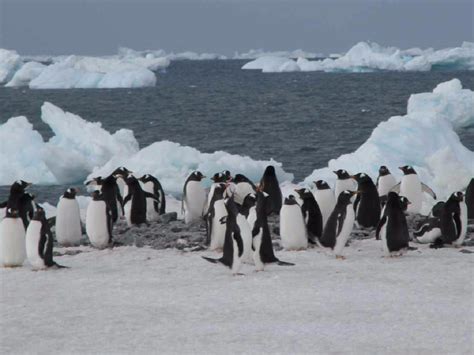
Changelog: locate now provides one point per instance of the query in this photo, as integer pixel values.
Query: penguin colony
(236, 213)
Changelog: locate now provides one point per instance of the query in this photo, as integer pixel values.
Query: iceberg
(257, 53)
(424, 138)
(10, 62)
(272, 65)
(26, 73)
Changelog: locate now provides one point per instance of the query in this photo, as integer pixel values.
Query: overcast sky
(224, 26)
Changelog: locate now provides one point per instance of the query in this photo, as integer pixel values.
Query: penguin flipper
(51, 221)
(438, 243)
(379, 227)
(428, 190)
(211, 260)
(284, 263)
(396, 188)
(150, 195)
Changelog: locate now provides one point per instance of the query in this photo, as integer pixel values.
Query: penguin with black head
(99, 221)
(243, 187)
(344, 182)
(27, 208)
(12, 239)
(135, 204)
(154, 208)
(244, 225)
(385, 181)
(110, 193)
(470, 199)
(453, 222)
(325, 198)
(217, 179)
(270, 185)
(121, 173)
(367, 203)
(312, 215)
(215, 218)
(194, 198)
(68, 219)
(293, 231)
(429, 229)
(17, 190)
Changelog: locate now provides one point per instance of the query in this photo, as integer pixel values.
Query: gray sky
(223, 26)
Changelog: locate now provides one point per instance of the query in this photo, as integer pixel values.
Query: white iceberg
(10, 62)
(257, 53)
(270, 64)
(26, 73)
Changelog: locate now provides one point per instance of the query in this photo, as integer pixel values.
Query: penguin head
(20, 186)
(39, 214)
(361, 178)
(240, 178)
(383, 170)
(97, 181)
(321, 185)
(122, 172)
(147, 178)
(96, 195)
(131, 181)
(458, 196)
(303, 193)
(196, 176)
(227, 175)
(404, 202)
(70, 193)
(11, 212)
(407, 170)
(342, 174)
(219, 177)
(249, 201)
(269, 171)
(345, 197)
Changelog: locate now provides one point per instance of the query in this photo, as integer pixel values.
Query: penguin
(437, 209)
(68, 219)
(269, 184)
(21, 201)
(26, 208)
(453, 222)
(325, 198)
(215, 218)
(217, 178)
(385, 181)
(153, 208)
(12, 239)
(135, 203)
(111, 194)
(393, 228)
(39, 242)
(247, 204)
(427, 231)
(403, 204)
(311, 215)
(338, 229)
(233, 244)
(194, 198)
(99, 221)
(344, 182)
(470, 199)
(244, 225)
(261, 238)
(412, 188)
(3, 210)
(243, 187)
(122, 173)
(17, 190)
(292, 225)
(367, 203)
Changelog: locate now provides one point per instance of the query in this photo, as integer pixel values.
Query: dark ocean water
(299, 119)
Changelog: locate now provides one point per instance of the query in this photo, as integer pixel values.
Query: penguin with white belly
(270, 185)
(385, 182)
(338, 229)
(325, 198)
(261, 238)
(453, 222)
(243, 187)
(393, 227)
(99, 222)
(292, 226)
(367, 203)
(470, 199)
(135, 203)
(12, 239)
(215, 219)
(412, 188)
(68, 219)
(311, 215)
(122, 173)
(194, 198)
(217, 178)
(244, 225)
(39, 242)
(111, 194)
(154, 208)
(429, 229)
(233, 244)
(344, 182)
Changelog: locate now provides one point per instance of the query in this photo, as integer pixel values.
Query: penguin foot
(284, 263)
(238, 274)
(340, 257)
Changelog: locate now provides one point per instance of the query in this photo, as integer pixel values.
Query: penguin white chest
(97, 224)
(347, 226)
(257, 244)
(195, 201)
(410, 187)
(463, 215)
(151, 213)
(236, 262)
(252, 217)
(385, 184)
(292, 228)
(326, 202)
(68, 222)
(242, 189)
(33, 236)
(12, 242)
(218, 225)
(246, 234)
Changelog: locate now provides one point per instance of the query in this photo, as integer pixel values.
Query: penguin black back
(137, 198)
(336, 220)
(470, 199)
(397, 234)
(267, 254)
(242, 178)
(311, 213)
(25, 208)
(269, 184)
(367, 203)
(232, 233)
(247, 204)
(45, 246)
(17, 190)
(450, 221)
(218, 194)
(160, 204)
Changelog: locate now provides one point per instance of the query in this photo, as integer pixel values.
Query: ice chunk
(10, 62)
(26, 73)
(272, 64)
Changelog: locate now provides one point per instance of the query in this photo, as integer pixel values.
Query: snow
(126, 300)
(424, 138)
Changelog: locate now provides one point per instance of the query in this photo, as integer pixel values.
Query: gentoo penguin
(344, 182)
(243, 187)
(17, 190)
(39, 242)
(99, 221)
(194, 198)
(429, 229)
(233, 245)
(311, 214)
(12, 239)
(247, 204)
(437, 209)
(385, 181)
(135, 202)
(244, 225)
(215, 218)
(111, 194)
(261, 238)
(367, 203)
(403, 204)
(325, 198)
(393, 228)
(453, 222)
(339, 226)
(68, 219)
(292, 225)
(412, 188)
(153, 207)
(26, 208)
(122, 173)
(217, 179)
(470, 199)
(269, 184)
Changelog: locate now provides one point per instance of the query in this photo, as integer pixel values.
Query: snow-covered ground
(127, 299)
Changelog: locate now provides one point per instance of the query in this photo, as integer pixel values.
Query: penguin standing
(194, 197)
(412, 188)
(135, 205)
(367, 203)
(68, 219)
(470, 199)
(99, 221)
(39, 242)
(338, 229)
(269, 184)
(261, 237)
(344, 182)
(217, 178)
(12, 239)
(243, 187)
(111, 194)
(27, 208)
(233, 245)
(215, 218)
(325, 198)
(393, 228)
(453, 222)
(122, 173)
(311, 214)
(244, 226)
(385, 181)
(292, 225)
(154, 208)
(17, 190)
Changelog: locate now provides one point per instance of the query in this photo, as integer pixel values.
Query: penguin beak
(335, 172)
(354, 177)
(401, 168)
(355, 193)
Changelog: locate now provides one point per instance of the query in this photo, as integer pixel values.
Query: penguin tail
(438, 243)
(412, 248)
(58, 266)
(211, 260)
(284, 263)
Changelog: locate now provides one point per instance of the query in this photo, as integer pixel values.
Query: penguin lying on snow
(292, 225)
(429, 229)
(311, 215)
(12, 239)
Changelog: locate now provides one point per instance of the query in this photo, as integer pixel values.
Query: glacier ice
(272, 64)
(26, 73)
(10, 62)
